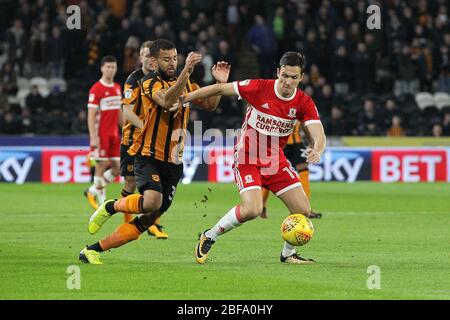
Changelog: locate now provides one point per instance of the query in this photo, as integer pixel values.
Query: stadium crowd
(363, 81)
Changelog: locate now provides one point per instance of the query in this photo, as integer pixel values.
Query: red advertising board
(69, 165)
(61, 166)
(409, 165)
(220, 165)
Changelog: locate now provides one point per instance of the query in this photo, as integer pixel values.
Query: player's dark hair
(146, 44)
(293, 59)
(107, 59)
(160, 44)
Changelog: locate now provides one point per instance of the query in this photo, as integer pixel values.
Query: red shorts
(108, 148)
(250, 176)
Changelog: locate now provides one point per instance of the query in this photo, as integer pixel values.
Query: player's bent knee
(101, 166)
(149, 208)
(258, 211)
(151, 203)
(251, 212)
(130, 184)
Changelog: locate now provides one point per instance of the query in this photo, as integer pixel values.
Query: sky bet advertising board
(19, 166)
(214, 164)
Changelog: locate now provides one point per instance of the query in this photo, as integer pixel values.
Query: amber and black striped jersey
(295, 136)
(164, 132)
(132, 96)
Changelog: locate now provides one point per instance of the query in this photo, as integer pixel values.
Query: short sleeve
(131, 93)
(309, 113)
(247, 89)
(94, 99)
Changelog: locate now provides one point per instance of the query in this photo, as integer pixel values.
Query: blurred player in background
(295, 152)
(275, 106)
(104, 119)
(133, 112)
(159, 149)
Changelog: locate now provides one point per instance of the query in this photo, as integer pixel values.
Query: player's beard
(165, 74)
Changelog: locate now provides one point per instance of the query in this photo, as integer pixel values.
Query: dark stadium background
(360, 79)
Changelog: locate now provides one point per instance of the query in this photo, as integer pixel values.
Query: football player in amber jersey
(133, 112)
(158, 148)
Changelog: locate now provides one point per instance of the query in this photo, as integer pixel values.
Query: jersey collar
(106, 84)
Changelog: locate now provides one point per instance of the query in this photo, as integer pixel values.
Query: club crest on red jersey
(292, 113)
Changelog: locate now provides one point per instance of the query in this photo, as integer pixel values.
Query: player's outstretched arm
(319, 140)
(218, 89)
(129, 115)
(168, 98)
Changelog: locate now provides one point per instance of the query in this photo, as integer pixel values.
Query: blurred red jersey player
(104, 119)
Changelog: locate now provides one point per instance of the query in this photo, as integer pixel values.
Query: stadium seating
(57, 82)
(22, 95)
(442, 100)
(42, 85)
(425, 100)
(23, 83)
(232, 44)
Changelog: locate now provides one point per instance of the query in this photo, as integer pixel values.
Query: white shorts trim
(292, 186)
(250, 188)
(238, 177)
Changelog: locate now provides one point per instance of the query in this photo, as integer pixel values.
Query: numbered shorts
(249, 177)
(160, 176)
(295, 153)
(126, 162)
(108, 148)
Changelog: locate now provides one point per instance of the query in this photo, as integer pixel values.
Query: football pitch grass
(403, 229)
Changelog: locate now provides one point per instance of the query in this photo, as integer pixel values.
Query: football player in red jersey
(274, 107)
(104, 119)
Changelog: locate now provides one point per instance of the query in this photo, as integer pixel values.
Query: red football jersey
(107, 98)
(269, 120)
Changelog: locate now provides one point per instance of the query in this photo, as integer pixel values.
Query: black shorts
(295, 153)
(160, 176)
(126, 162)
